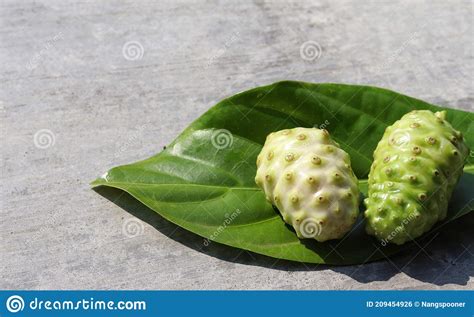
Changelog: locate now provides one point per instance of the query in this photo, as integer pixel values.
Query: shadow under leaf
(440, 258)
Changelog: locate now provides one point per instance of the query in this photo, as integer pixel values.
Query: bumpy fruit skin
(309, 179)
(416, 165)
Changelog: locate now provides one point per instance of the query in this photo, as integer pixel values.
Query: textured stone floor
(102, 84)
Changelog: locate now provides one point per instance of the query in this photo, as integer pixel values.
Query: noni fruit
(310, 180)
(416, 165)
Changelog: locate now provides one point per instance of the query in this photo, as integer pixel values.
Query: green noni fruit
(309, 179)
(417, 164)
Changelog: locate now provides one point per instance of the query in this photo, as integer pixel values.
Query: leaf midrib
(100, 182)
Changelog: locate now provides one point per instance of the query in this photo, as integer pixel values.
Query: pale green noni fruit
(417, 164)
(308, 177)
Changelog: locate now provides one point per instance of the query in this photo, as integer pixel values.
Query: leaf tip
(102, 180)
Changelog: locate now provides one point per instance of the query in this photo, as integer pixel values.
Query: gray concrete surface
(77, 99)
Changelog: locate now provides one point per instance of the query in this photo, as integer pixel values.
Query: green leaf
(204, 180)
